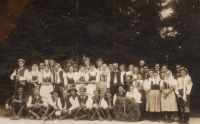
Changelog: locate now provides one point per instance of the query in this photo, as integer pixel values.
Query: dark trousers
(113, 89)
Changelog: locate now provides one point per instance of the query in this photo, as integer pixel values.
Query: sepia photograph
(99, 61)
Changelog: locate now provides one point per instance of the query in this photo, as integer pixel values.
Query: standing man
(20, 75)
(142, 63)
(99, 63)
(178, 72)
(115, 79)
(87, 64)
(58, 77)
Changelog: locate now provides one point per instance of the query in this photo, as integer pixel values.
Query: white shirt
(69, 75)
(135, 94)
(21, 78)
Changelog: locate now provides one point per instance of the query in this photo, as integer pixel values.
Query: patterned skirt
(153, 103)
(169, 103)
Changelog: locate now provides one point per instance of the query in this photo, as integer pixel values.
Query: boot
(185, 119)
(158, 116)
(169, 115)
(50, 115)
(188, 117)
(13, 114)
(19, 113)
(99, 116)
(63, 117)
(109, 116)
(180, 114)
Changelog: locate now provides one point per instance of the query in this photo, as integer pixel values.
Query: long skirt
(45, 90)
(153, 103)
(169, 103)
(90, 89)
(103, 87)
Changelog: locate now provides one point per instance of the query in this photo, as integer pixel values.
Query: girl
(45, 80)
(92, 80)
(154, 98)
(32, 79)
(183, 93)
(102, 80)
(82, 78)
(133, 93)
(69, 77)
(168, 99)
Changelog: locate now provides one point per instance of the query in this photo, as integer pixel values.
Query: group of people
(89, 92)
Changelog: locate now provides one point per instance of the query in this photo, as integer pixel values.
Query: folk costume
(45, 80)
(35, 105)
(58, 78)
(92, 85)
(115, 81)
(70, 79)
(20, 76)
(183, 92)
(168, 98)
(33, 80)
(99, 106)
(82, 79)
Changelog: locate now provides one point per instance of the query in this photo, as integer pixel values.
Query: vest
(20, 72)
(70, 81)
(34, 100)
(109, 102)
(82, 100)
(97, 101)
(60, 76)
(55, 101)
(112, 76)
(92, 77)
(155, 86)
(63, 101)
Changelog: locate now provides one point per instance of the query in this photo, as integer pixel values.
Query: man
(110, 67)
(75, 65)
(51, 64)
(120, 93)
(128, 82)
(114, 79)
(99, 63)
(35, 104)
(20, 75)
(178, 72)
(142, 63)
(157, 68)
(99, 105)
(66, 105)
(122, 73)
(67, 65)
(55, 104)
(109, 109)
(145, 72)
(83, 105)
(164, 68)
(58, 78)
(86, 62)
(16, 103)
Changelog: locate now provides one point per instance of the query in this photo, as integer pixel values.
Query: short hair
(146, 65)
(91, 65)
(179, 64)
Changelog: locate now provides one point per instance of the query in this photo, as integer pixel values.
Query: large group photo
(100, 61)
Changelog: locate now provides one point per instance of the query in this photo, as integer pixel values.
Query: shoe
(31, 117)
(62, 117)
(168, 121)
(109, 118)
(37, 118)
(100, 118)
(158, 120)
(76, 118)
(11, 118)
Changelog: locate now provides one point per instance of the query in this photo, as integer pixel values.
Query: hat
(21, 60)
(83, 88)
(36, 88)
(97, 90)
(99, 60)
(56, 90)
(72, 88)
(185, 69)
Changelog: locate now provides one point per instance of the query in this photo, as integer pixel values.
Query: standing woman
(92, 80)
(82, 78)
(103, 80)
(45, 80)
(32, 79)
(46, 62)
(69, 77)
(153, 104)
(168, 98)
(130, 70)
(184, 88)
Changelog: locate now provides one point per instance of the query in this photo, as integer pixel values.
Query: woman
(130, 70)
(45, 80)
(102, 80)
(183, 92)
(135, 72)
(82, 78)
(133, 93)
(92, 80)
(32, 79)
(139, 84)
(168, 99)
(153, 104)
(46, 62)
(69, 77)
